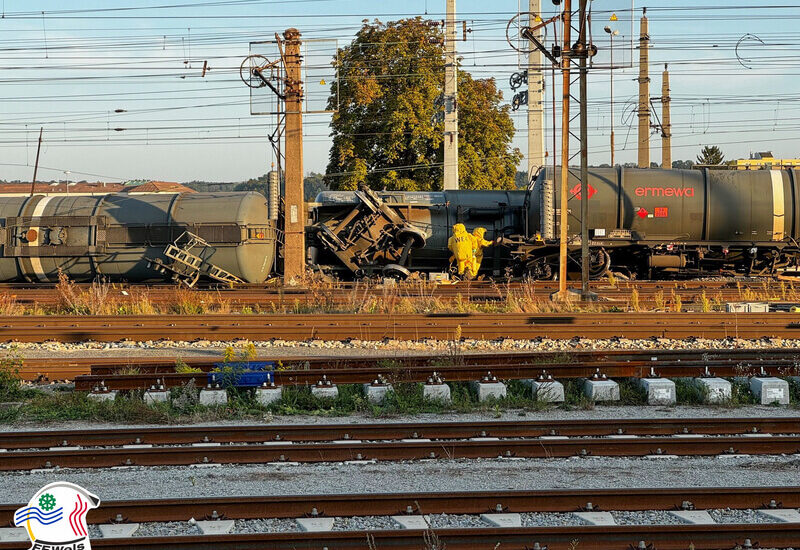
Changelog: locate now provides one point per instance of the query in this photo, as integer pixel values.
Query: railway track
(609, 537)
(300, 370)
(648, 293)
(109, 328)
(410, 441)
(341, 373)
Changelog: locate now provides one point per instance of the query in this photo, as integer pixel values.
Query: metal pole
(294, 205)
(584, 46)
(644, 94)
(584, 183)
(535, 98)
(450, 100)
(36, 164)
(564, 195)
(666, 126)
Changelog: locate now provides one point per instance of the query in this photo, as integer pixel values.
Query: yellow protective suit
(462, 245)
(480, 244)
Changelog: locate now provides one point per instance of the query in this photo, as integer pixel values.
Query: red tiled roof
(159, 187)
(61, 188)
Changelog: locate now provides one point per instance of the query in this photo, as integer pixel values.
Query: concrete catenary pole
(666, 130)
(613, 162)
(644, 94)
(450, 100)
(564, 195)
(535, 98)
(294, 206)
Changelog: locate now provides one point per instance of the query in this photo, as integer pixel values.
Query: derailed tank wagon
(395, 233)
(143, 237)
(642, 223)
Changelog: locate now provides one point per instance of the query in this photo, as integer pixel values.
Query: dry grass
(406, 297)
(9, 305)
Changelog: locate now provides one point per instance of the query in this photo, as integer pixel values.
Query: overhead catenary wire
(132, 63)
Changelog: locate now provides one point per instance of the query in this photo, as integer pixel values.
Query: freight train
(642, 224)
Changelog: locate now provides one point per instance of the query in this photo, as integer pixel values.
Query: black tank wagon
(655, 222)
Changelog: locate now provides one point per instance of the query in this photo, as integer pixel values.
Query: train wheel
(396, 271)
(600, 262)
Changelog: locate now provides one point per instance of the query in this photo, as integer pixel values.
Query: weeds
(687, 392)
(677, 302)
(705, 303)
(794, 392)
(324, 296)
(182, 368)
(574, 396)
(740, 395)
(659, 300)
(631, 393)
(10, 385)
(635, 300)
(9, 305)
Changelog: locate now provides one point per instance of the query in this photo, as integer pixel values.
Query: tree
(682, 164)
(313, 184)
(710, 154)
(388, 130)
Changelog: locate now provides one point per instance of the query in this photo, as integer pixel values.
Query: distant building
(97, 188)
(158, 187)
(764, 161)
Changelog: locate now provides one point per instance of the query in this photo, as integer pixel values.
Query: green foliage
(682, 164)
(575, 398)
(740, 394)
(631, 393)
(710, 154)
(182, 368)
(313, 184)
(689, 393)
(794, 393)
(388, 131)
(10, 384)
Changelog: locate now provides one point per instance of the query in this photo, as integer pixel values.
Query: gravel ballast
(604, 412)
(383, 348)
(436, 476)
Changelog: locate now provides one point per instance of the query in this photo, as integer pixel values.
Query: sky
(119, 90)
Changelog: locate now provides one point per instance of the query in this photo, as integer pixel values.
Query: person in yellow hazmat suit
(462, 245)
(480, 244)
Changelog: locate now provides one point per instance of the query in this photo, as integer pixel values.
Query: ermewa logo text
(55, 517)
(664, 191)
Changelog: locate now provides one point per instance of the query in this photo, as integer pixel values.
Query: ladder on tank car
(186, 266)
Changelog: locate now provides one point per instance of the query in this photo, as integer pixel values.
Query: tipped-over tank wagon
(137, 237)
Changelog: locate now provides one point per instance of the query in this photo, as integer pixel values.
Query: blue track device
(243, 374)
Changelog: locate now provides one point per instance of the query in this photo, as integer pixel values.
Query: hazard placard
(576, 191)
(661, 212)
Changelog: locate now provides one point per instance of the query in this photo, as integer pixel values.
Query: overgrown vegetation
(10, 384)
(412, 296)
(405, 399)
